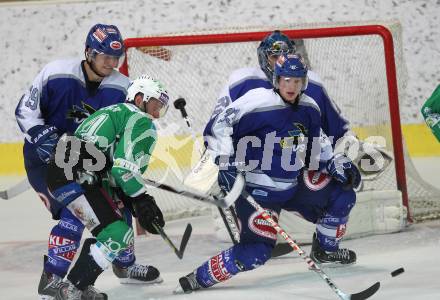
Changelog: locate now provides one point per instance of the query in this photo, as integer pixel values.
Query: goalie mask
(275, 44)
(150, 89)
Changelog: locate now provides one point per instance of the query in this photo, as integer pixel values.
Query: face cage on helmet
(281, 48)
(163, 110)
(92, 53)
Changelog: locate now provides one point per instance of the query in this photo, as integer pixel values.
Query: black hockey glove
(147, 212)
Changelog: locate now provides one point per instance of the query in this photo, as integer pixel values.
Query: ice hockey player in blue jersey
(319, 199)
(62, 95)
(272, 133)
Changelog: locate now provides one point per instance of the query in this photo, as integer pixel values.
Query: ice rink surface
(25, 226)
(288, 277)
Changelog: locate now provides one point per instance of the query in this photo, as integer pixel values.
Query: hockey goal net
(362, 69)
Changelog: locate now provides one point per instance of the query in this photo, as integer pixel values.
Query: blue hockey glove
(227, 172)
(44, 138)
(341, 168)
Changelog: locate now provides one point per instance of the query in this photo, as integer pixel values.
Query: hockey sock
(239, 258)
(64, 242)
(125, 258)
(115, 238)
(86, 270)
(329, 231)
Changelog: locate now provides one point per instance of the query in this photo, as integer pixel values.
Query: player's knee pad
(249, 256)
(114, 238)
(64, 242)
(330, 230)
(238, 258)
(341, 201)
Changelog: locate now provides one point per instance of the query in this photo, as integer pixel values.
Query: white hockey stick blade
(235, 192)
(17, 189)
(222, 202)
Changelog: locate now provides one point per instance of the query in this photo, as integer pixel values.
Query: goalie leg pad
(64, 242)
(239, 258)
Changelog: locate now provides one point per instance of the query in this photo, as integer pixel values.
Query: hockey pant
(322, 200)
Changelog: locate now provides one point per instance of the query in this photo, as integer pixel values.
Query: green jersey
(127, 137)
(431, 112)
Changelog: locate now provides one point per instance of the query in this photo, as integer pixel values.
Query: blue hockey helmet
(105, 39)
(276, 43)
(290, 65)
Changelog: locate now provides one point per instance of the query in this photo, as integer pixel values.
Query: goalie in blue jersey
(62, 95)
(273, 133)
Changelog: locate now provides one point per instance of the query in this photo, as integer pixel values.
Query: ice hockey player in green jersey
(431, 112)
(101, 163)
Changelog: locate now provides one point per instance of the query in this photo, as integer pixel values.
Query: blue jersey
(59, 97)
(269, 134)
(243, 80)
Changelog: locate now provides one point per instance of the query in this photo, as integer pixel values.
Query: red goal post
(362, 68)
(380, 30)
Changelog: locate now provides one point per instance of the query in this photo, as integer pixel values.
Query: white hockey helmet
(150, 88)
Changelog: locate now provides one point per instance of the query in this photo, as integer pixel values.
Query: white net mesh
(351, 67)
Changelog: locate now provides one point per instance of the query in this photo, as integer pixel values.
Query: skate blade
(333, 265)
(135, 281)
(178, 290)
(45, 297)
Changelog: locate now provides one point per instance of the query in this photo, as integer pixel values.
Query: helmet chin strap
(92, 66)
(294, 104)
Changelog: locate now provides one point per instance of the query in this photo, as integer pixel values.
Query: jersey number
(90, 129)
(32, 101)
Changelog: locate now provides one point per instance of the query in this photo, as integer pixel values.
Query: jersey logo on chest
(296, 136)
(80, 113)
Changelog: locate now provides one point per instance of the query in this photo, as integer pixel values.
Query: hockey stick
(183, 243)
(227, 214)
(225, 201)
(312, 266)
(281, 249)
(15, 190)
